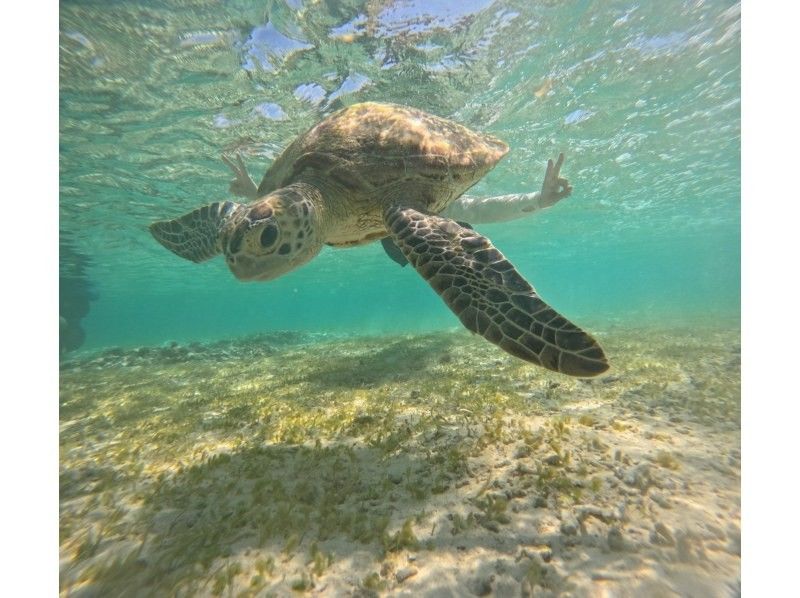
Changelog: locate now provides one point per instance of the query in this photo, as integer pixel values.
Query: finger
(548, 173)
(563, 194)
(240, 161)
(227, 161)
(557, 167)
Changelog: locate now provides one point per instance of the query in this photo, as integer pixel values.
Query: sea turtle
(371, 171)
(467, 208)
(464, 209)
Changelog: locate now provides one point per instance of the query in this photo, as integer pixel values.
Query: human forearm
(499, 208)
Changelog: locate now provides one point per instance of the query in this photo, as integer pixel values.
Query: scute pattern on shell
(389, 129)
(375, 144)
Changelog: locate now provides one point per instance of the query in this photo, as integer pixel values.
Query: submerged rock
(615, 539)
(638, 476)
(553, 459)
(482, 586)
(404, 573)
(661, 535)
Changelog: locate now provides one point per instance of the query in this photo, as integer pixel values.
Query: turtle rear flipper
(489, 296)
(393, 251)
(195, 236)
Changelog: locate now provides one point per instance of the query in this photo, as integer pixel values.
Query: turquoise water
(221, 438)
(642, 97)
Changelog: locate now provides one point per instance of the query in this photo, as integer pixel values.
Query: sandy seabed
(431, 465)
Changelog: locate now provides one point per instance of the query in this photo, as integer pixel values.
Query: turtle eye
(269, 235)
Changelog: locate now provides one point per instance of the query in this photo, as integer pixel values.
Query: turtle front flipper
(489, 296)
(195, 236)
(394, 253)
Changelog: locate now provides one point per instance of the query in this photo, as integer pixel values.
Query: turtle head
(260, 241)
(278, 233)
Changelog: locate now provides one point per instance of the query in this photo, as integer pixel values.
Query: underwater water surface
(336, 430)
(642, 98)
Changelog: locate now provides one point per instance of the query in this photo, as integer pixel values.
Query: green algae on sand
(271, 465)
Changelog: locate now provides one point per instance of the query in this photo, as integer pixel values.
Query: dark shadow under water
(75, 293)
